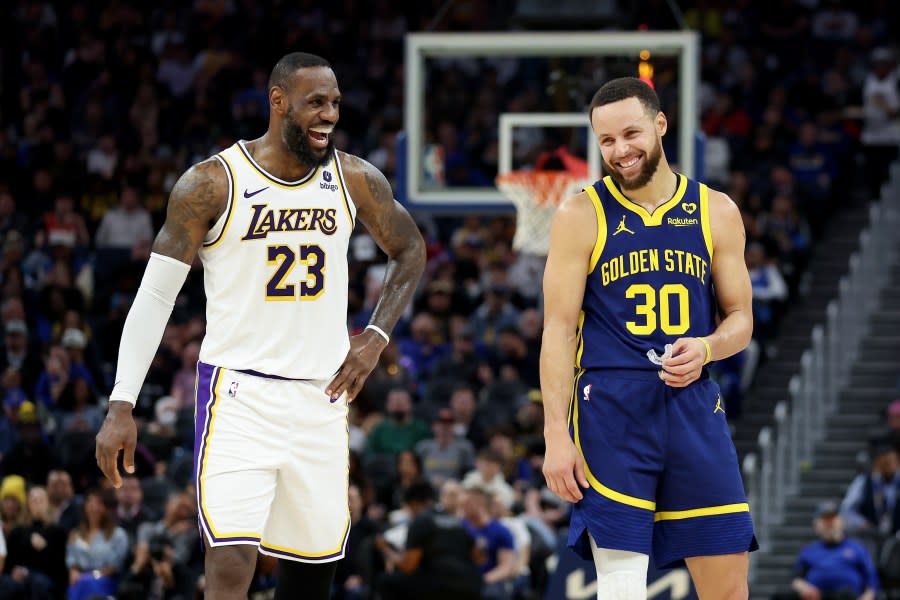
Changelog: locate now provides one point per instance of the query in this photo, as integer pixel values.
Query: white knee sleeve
(621, 575)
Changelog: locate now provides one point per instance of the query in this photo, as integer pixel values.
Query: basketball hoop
(536, 194)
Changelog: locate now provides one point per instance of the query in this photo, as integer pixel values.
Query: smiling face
(630, 139)
(309, 110)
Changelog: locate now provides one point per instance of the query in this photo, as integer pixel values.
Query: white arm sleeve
(146, 323)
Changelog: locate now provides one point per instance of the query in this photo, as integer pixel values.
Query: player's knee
(230, 567)
(622, 585)
(621, 575)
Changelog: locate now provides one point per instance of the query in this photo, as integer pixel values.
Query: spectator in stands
(496, 312)
(352, 577)
(769, 289)
(835, 567)
(18, 355)
(127, 226)
(518, 527)
(871, 502)
(407, 471)
(183, 382)
(423, 348)
(400, 430)
(13, 398)
(39, 547)
(494, 542)
(459, 365)
(451, 497)
(155, 574)
(12, 220)
(80, 410)
(466, 421)
(881, 110)
(488, 474)
(96, 551)
(178, 525)
(445, 456)
(65, 506)
(31, 457)
(437, 561)
(790, 232)
(13, 509)
(131, 512)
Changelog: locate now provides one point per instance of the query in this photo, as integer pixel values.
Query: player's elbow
(414, 253)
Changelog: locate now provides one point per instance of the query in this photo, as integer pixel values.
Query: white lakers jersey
(275, 271)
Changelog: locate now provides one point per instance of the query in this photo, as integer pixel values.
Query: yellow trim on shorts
(222, 537)
(600, 242)
(709, 511)
(299, 554)
(650, 220)
(704, 220)
(592, 480)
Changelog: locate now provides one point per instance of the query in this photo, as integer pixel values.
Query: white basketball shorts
(270, 461)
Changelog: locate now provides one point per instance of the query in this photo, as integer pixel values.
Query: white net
(536, 194)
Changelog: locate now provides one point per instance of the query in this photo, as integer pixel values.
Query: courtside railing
(786, 448)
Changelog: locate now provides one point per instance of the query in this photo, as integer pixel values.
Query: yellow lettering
(689, 264)
(670, 265)
(680, 255)
(604, 273)
(702, 271)
(634, 263)
(654, 259)
(615, 268)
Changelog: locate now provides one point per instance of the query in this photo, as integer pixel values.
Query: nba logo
(232, 389)
(587, 392)
(326, 175)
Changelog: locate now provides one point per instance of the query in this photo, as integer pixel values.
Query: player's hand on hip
(365, 349)
(564, 467)
(118, 432)
(686, 363)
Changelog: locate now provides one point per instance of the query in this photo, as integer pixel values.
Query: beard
(297, 141)
(643, 177)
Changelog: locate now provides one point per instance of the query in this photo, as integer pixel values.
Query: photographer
(154, 573)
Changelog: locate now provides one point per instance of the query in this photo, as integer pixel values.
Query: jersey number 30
(284, 257)
(648, 309)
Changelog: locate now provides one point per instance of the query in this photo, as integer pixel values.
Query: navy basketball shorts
(663, 471)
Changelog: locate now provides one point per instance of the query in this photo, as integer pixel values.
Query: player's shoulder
(722, 208)
(574, 226)
(576, 211)
(355, 167)
(207, 172)
(364, 180)
(205, 184)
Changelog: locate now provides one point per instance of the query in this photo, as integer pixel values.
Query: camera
(157, 546)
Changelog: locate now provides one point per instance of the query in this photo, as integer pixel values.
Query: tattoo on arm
(196, 201)
(396, 233)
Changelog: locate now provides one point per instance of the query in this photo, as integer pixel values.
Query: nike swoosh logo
(249, 194)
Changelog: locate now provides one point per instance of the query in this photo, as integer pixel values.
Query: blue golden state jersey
(649, 280)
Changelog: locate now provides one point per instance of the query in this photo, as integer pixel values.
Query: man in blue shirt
(495, 541)
(835, 567)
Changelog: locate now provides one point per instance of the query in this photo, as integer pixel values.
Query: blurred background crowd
(104, 103)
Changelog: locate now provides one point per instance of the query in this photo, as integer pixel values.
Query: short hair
(284, 68)
(624, 88)
(419, 491)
